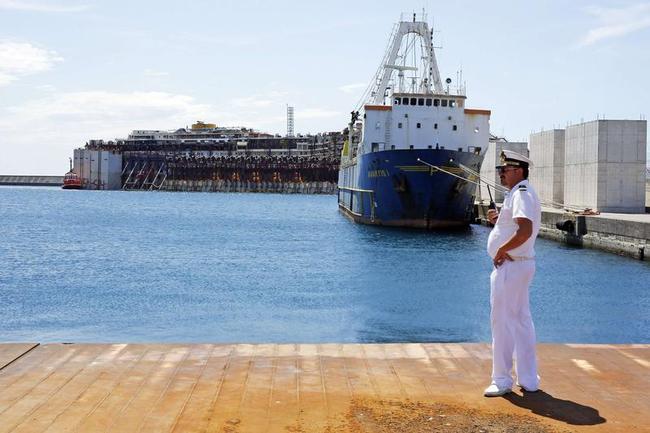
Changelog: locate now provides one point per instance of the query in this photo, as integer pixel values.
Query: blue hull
(394, 189)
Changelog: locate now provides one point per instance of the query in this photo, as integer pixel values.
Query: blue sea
(100, 266)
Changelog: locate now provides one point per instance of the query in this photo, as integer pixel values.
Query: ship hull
(393, 188)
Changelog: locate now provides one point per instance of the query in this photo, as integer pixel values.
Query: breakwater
(31, 180)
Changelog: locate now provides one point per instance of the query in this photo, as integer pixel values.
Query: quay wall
(246, 186)
(626, 235)
(31, 180)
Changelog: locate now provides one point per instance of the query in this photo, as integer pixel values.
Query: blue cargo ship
(413, 148)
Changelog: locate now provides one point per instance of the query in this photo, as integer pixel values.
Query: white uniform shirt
(520, 202)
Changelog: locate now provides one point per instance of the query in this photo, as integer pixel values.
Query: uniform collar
(523, 182)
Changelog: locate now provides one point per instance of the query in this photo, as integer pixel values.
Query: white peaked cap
(513, 159)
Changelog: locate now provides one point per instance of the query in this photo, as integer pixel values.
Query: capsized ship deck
(314, 388)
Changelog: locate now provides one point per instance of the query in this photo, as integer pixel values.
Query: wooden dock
(315, 388)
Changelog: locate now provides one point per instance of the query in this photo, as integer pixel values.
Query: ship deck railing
(360, 193)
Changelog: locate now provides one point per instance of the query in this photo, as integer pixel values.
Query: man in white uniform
(511, 246)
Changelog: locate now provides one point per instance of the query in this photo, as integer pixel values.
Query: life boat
(71, 181)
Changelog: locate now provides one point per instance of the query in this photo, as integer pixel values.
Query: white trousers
(513, 332)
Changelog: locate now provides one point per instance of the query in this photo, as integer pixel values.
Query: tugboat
(71, 180)
(413, 150)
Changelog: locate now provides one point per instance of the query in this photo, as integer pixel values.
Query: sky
(72, 70)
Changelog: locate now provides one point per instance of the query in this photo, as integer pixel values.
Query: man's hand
(492, 216)
(500, 257)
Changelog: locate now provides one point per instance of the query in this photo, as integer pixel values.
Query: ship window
(430, 146)
(460, 149)
(399, 125)
(419, 125)
(444, 102)
(428, 102)
(435, 126)
(405, 101)
(396, 101)
(411, 146)
(392, 147)
(436, 102)
(452, 103)
(414, 101)
(455, 128)
(420, 101)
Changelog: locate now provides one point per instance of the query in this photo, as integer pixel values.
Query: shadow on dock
(544, 404)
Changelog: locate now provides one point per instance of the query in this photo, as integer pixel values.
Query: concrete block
(604, 162)
(547, 173)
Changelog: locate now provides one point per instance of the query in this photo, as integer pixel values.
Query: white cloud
(34, 6)
(19, 59)
(94, 112)
(616, 22)
(350, 88)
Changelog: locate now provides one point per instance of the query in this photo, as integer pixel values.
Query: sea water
(113, 266)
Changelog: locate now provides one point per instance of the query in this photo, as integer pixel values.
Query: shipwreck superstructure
(407, 144)
(207, 157)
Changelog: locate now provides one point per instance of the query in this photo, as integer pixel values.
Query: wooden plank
(254, 405)
(407, 369)
(175, 396)
(102, 416)
(11, 352)
(267, 388)
(111, 373)
(133, 415)
(224, 413)
(22, 376)
(312, 399)
(57, 402)
(386, 382)
(361, 384)
(336, 383)
(284, 409)
(197, 412)
(21, 410)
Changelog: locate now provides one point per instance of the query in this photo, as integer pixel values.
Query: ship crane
(431, 74)
(400, 74)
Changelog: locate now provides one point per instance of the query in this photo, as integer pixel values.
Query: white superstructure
(407, 106)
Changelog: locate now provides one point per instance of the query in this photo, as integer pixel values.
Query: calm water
(85, 266)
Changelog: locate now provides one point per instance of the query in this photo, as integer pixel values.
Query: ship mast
(431, 74)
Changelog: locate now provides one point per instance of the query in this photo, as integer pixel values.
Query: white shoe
(494, 391)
